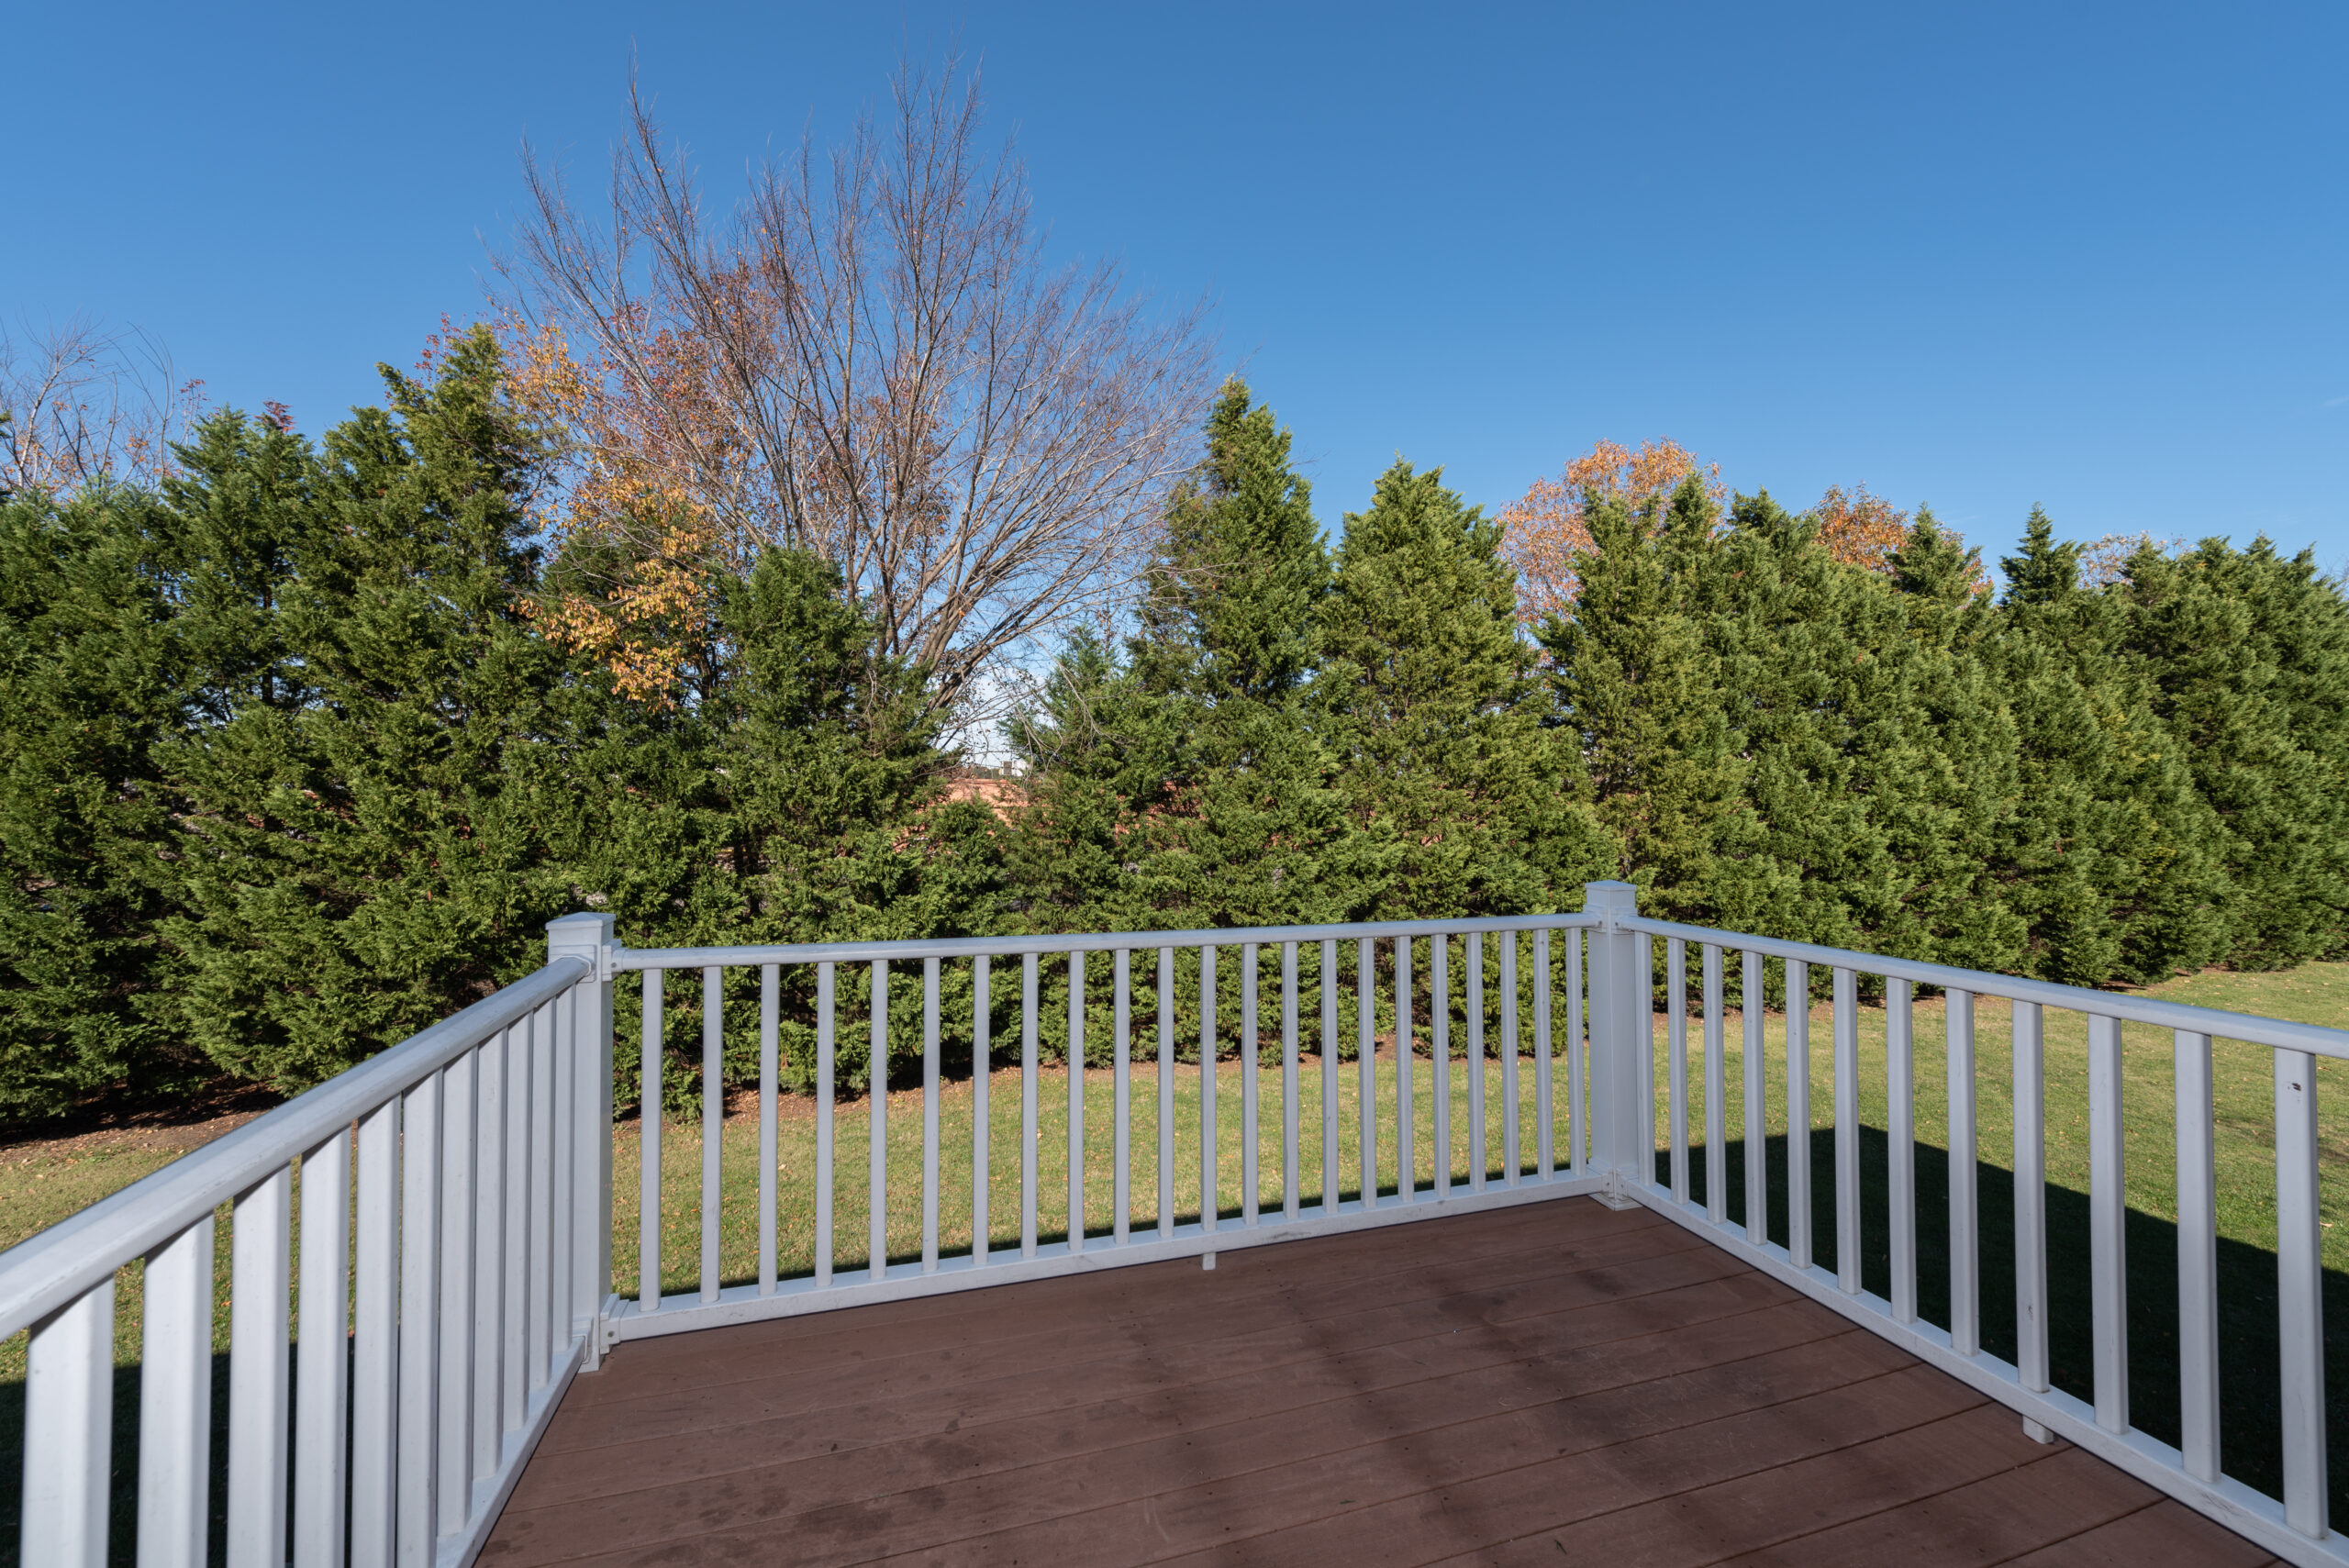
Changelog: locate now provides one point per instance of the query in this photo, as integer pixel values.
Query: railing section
(1435, 1005)
(1625, 957)
(417, 1257)
(419, 1250)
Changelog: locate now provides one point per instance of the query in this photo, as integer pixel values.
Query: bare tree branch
(77, 402)
(871, 359)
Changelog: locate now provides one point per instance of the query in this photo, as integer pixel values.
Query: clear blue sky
(1975, 256)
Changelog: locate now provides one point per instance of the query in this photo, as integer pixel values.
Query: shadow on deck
(1545, 1384)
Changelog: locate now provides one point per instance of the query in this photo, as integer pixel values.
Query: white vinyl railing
(454, 1239)
(1420, 991)
(1623, 964)
(455, 1196)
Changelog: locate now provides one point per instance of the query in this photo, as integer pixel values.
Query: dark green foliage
(2081, 784)
(823, 766)
(1447, 767)
(1637, 681)
(1244, 827)
(1874, 762)
(1093, 752)
(1781, 743)
(2110, 855)
(1230, 616)
(88, 685)
(379, 809)
(1189, 784)
(1961, 770)
(291, 769)
(2245, 658)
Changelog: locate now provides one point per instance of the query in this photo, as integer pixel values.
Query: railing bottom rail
(1052, 1260)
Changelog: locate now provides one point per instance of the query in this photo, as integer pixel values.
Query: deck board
(1499, 1388)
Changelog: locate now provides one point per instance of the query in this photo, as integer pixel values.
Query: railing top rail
(1087, 941)
(2312, 1038)
(53, 1268)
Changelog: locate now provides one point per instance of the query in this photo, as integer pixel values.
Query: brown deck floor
(1548, 1384)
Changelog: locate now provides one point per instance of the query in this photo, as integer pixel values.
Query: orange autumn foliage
(1859, 528)
(1543, 531)
(628, 486)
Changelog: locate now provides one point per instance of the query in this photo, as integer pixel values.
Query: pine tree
(1187, 784)
(1963, 781)
(1096, 755)
(1231, 613)
(1242, 828)
(1872, 762)
(815, 769)
(1789, 644)
(1445, 764)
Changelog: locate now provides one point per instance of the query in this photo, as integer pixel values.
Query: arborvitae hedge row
(290, 769)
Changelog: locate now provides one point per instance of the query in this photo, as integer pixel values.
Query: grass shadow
(122, 1532)
(2250, 1363)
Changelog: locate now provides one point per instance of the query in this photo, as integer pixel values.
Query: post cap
(583, 935)
(1619, 896)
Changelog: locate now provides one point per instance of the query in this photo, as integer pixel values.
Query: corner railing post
(590, 937)
(1621, 1151)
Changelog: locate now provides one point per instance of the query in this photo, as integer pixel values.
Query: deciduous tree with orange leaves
(1860, 528)
(1546, 528)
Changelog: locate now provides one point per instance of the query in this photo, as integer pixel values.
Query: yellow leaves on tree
(630, 520)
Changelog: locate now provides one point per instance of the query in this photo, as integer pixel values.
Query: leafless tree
(77, 402)
(873, 359)
(2105, 560)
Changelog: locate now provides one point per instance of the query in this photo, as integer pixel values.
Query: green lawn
(38, 1190)
(681, 1156)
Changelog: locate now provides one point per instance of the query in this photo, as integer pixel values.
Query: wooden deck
(1551, 1384)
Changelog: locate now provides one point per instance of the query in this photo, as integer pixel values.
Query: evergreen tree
(293, 769)
(1187, 785)
(2246, 659)
(824, 782)
(88, 687)
(1960, 756)
(1242, 828)
(1637, 688)
(1870, 760)
(2111, 858)
(1445, 764)
(1789, 646)
(1230, 612)
(1097, 752)
(379, 808)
